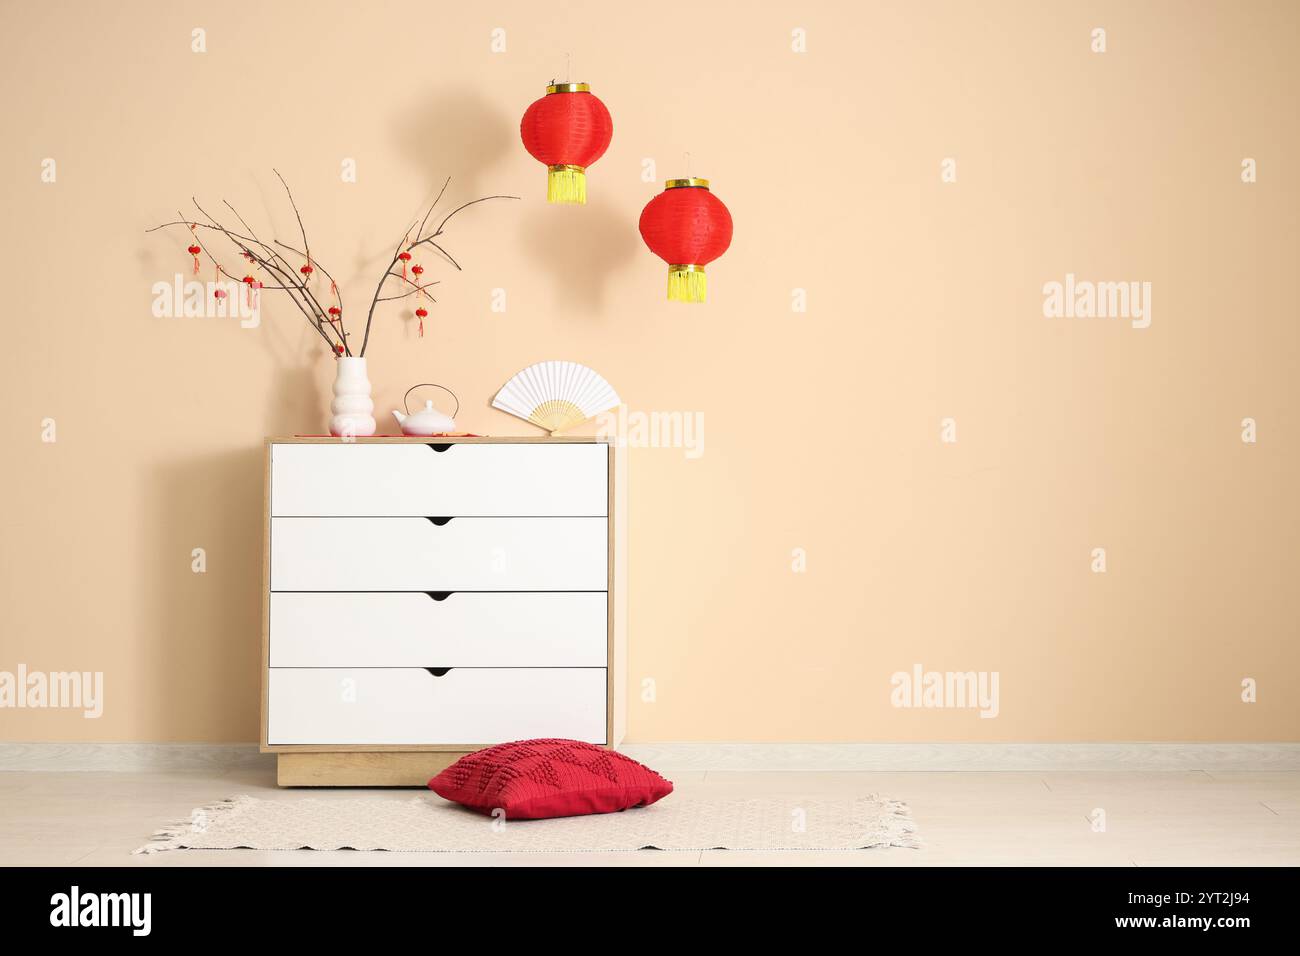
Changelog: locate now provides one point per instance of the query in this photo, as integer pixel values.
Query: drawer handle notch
(438, 671)
(439, 521)
(440, 595)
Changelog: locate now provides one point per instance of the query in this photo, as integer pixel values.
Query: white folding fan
(556, 395)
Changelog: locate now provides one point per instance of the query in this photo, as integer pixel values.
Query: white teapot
(428, 420)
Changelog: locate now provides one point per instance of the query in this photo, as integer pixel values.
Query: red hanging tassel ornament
(405, 257)
(335, 313)
(194, 247)
(251, 283)
(421, 312)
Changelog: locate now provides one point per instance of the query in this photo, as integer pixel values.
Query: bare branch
(473, 202)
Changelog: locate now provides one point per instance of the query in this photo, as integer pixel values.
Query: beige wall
(821, 429)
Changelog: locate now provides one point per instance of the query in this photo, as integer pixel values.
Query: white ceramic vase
(352, 403)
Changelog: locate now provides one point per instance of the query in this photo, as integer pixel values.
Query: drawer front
(413, 629)
(415, 554)
(409, 706)
(494, 480)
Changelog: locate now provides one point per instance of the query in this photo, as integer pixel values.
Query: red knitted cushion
(533, 779)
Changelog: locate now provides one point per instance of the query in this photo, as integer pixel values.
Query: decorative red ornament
(307, 270)
(335, 313)
(688, 227)
(338, 349)
(194, 248)
(568, 129)
(219, 293)
(417, 270)
(420, 314)
(251, 283)
(404, 257)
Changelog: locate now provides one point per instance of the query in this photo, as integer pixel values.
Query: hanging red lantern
(568, 129)
(421, 313)
(687, 227)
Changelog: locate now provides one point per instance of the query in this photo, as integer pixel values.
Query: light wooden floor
(1159, 818)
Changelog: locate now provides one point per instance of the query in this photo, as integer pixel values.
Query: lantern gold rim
(568, 88)
(563, 167)
(685, 268)
(682, 183)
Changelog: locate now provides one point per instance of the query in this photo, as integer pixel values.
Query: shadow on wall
(203, 643)
(302, 372)
(581, 248)
(459, 134)
(298, 404)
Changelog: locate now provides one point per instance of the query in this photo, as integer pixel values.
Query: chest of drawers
(427, 598)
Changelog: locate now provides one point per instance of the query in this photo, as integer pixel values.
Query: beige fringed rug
(428, 823)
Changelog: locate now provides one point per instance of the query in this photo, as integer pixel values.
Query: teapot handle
(431, 385)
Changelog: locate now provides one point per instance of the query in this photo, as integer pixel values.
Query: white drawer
(414, 629)
(415, 554)
(358, 479)
(411, 706)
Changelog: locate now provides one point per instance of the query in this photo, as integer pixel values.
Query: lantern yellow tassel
(687, 284)
(566, 184)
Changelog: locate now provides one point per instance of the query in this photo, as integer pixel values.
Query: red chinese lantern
(568, 129)
(687, 227)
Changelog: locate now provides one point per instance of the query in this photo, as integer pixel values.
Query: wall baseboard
(679, 757)
(133, 758)
(936, 757)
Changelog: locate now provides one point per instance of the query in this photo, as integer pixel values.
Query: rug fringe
(900, 815)
(172, 836)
